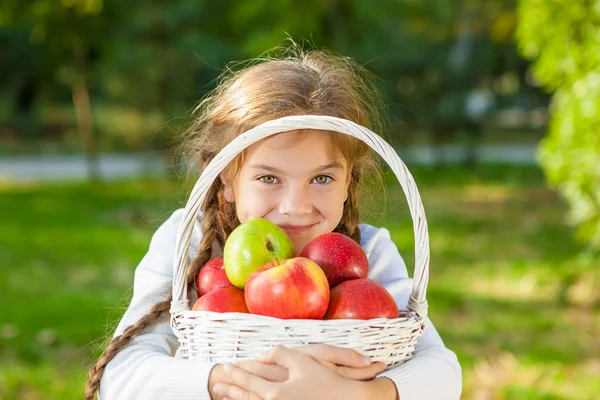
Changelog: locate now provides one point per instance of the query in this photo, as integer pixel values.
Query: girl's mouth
(296, 229)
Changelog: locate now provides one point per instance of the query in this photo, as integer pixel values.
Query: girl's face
(296, 180)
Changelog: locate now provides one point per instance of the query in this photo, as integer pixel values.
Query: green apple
(251, 245)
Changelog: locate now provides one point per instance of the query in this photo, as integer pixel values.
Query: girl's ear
(228, 194)
(227, 190)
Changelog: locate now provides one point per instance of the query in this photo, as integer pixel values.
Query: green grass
(510, 291)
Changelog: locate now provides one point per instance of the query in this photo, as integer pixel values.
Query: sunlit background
(493, 105)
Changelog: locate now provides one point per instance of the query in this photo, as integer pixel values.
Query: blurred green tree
(562, 37)
(437, 59)
(145, 64)
(72, 36)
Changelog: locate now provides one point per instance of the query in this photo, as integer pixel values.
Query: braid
(218, 221)
(210, 232)
(96, 371)
(216, 225)
(351, 216)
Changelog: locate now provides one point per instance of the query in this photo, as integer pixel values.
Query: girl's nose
(295, 202)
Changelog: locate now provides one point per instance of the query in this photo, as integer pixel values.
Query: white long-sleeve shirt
(147, 368)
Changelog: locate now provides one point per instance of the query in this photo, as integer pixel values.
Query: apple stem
(276, 261)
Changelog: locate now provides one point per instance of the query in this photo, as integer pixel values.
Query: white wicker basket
(231, 337)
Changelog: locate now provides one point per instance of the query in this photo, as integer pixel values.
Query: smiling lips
(296, 229)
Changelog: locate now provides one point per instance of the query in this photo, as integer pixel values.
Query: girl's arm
(146, 368)
(434, 371)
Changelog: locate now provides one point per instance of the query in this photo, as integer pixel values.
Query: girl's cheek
(260, 207)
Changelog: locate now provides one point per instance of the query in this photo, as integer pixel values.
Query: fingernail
(227, 367)
(366, 360)
(219, 389)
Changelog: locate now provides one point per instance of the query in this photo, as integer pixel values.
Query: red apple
(340, 257)
(361, 299)
(211, 277)
(228, 299)
(295, 288)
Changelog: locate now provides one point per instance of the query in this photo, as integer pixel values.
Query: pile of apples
(259, 274)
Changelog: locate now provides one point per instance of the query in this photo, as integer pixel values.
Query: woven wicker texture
(230, 337)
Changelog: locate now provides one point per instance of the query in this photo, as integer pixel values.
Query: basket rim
(229, 316)
(417, 302)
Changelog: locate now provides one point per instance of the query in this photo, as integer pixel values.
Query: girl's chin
(300, 243)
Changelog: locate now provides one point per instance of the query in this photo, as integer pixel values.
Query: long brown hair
(293, 81)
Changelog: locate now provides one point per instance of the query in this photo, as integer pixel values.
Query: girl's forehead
(294, 147)
(299, 139)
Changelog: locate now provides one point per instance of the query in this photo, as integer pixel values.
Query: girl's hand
(270, 372)
(308, 379)
(347, 363)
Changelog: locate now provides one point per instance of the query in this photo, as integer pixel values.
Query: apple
(340, 257)
(227, 299)
(361, 299)
(295, 288)
(251, 245)
(212, 276)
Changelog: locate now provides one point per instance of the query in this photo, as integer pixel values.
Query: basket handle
(417, 302)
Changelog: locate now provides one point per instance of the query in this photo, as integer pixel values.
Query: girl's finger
(288, 358)
(247, 381)
(361, 374)
(336, 355)
(270, 372)
(230, 392)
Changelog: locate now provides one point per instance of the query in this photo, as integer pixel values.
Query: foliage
(563, 39)
(165, 55)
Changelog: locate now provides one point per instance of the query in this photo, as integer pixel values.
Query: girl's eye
(268, 179)
(322, 179)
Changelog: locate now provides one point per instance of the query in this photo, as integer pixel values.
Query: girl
(306, 182)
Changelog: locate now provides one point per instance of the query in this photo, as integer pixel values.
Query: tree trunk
(83, 115)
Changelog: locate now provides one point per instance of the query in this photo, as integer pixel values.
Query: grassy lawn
(510, 291)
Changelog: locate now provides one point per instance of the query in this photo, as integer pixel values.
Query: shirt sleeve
(434, 372)
(146, 368)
